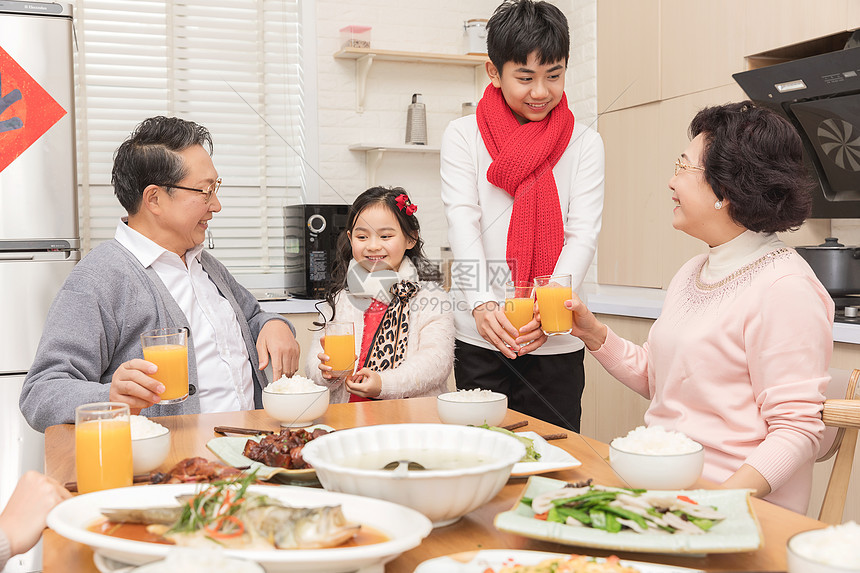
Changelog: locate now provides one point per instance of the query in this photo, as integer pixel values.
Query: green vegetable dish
(618, 509)
(531, 454)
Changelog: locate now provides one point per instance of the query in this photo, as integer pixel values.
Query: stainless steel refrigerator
(39, 241)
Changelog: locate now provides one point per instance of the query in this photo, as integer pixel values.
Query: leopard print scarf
(388, 347)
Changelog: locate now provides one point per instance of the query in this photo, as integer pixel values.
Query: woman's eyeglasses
(681, 166)
(208, 192)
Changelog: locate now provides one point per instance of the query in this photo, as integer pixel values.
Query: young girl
(376, 284)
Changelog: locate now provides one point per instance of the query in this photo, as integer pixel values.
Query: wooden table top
(473, 532)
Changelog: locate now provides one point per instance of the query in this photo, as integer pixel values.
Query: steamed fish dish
(225, 514)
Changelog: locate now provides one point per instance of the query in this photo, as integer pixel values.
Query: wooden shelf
(415, 57)
(364, 58)
(375, 153)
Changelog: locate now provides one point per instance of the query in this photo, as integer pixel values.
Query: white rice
(295, 385)
(473, 395)
(655, 440)
(143, 427)
(836, 545)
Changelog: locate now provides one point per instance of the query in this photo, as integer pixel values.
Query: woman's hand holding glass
(586, 327)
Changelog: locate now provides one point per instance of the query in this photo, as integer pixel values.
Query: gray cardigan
(95, 323)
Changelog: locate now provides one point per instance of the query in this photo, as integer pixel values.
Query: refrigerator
(39, 240)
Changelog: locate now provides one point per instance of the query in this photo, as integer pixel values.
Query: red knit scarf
(523, 158)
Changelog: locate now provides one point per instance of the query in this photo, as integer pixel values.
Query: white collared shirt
(224, 378)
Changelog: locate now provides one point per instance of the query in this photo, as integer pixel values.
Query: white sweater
(429, 353)
(479, 214)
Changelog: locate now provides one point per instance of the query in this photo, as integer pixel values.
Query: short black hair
(754, 158)
(150, 156)
(519, 27)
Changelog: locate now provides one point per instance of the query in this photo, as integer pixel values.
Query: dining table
(473, 532)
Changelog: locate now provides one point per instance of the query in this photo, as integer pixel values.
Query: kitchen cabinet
(366, 56)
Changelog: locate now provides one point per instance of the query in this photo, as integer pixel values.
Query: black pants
(548, 387)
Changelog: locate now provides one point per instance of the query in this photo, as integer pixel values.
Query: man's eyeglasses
(208, 192)
(681, 166)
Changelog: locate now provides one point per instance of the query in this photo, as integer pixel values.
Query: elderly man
(155, 274)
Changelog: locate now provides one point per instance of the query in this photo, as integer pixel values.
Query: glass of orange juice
(102, 446)
(339, 345)
(551, 291)
(167, 348)
(519, 303)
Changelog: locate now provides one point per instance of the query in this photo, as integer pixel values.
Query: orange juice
(103, 454)
(172, 362)
(520, 311)
(554, 317)
(341, 351)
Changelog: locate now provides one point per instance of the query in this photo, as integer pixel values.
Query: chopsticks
(242, 431)
(72, 486)
(522, 423)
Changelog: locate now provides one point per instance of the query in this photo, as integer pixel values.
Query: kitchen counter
(641, 302)
(636, 302)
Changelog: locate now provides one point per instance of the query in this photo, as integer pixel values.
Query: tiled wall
(420, 26)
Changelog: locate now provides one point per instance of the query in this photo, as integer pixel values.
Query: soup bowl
(464, 467)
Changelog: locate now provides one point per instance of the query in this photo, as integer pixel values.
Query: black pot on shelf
(835, 265)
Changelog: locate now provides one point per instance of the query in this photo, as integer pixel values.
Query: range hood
(820, 95)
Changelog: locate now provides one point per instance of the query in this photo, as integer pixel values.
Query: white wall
(416, 26)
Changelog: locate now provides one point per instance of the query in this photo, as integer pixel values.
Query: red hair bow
(403, 202)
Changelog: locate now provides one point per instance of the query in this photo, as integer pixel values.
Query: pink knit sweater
(739, 364)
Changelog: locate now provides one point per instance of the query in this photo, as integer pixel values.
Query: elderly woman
(738, 358)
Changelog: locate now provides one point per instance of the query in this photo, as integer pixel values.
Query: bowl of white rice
(656, 458)
(830, 550)
(150, 444)
(472, 407)
(295, 402)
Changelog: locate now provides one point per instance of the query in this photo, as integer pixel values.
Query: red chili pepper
(215, 529)
(687, 499)
(542, 516)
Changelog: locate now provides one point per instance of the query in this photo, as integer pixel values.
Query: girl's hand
(586, 327)
(325, 369)
(365, 383)
(23, 518)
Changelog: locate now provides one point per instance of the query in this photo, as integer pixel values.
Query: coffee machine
(310, 241)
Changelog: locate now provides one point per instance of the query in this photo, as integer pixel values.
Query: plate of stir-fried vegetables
(591, 515)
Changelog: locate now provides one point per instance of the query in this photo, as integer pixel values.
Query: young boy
(522, 184)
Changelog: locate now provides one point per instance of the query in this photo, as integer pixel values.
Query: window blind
(233, 66)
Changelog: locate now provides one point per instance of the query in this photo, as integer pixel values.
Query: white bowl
(800, 563)
(491, 411)
(443, 495)
(296, 409)
(149, 453)
(657, 471)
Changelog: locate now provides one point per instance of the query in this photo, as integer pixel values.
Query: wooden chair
(841, 417)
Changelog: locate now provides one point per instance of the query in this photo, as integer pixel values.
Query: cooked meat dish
(282, 450)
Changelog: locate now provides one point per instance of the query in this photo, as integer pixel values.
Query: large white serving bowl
(443, 495)
(657, 471)
(490, 411)
(296, 409)
(799, 561)
(404, 527)
(149, 453)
